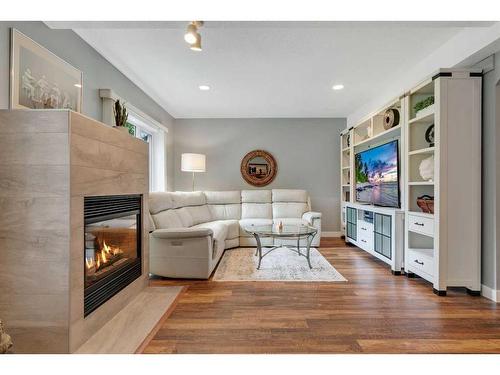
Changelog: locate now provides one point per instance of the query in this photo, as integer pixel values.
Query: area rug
(280, 265)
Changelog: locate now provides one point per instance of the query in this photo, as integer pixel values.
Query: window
(141, 126)
(146, 130)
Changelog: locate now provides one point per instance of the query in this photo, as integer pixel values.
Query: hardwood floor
(374, 312)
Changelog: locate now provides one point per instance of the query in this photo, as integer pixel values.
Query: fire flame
(103, 256)
(89, 262)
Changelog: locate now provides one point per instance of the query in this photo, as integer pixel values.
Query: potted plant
(121, 116)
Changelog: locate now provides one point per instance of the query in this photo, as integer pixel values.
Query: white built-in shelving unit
(346, 160)
(443, 247)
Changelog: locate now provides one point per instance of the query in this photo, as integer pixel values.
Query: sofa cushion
(167, 219)
(199, 214)
(256, 196)
(256, 211)
(233, 227)
(232, 243)
(160, 201)
(220, 229)
(223, 197)
(284, 210)
(225, 211)
(290, 195)
(185, 217)
(245, 222)
(151, 223)
(184, 199)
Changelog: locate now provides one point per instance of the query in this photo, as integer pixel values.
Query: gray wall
(306, 150)
(98, 73)
(491, 178)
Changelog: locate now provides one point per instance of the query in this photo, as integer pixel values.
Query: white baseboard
(330, 234)
(489, 293)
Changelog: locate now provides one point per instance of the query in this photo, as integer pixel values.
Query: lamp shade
(193, 163)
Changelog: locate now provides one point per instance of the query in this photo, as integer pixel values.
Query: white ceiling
(265, 69)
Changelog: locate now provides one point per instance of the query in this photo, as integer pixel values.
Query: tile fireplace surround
(50, 161)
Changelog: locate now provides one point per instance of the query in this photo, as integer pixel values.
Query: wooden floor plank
(374, 312)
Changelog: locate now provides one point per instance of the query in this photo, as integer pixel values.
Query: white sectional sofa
(189, 231)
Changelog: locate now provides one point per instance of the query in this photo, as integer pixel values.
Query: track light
(196, 46)
(192, 37)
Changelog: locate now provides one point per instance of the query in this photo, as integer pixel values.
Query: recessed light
(78, 85)
(204, 87)
(338, 87)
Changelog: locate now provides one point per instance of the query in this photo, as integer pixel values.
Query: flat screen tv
(377, 175)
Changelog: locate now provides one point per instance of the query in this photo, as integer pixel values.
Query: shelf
(346, 167)
(346, 149)
(428, 150)
(421, 183)
(346, 185)
(424, 88)
(423, 214)
(364, 124)
(428, 235)
(424, 116)
(426, 252)
(379, 135)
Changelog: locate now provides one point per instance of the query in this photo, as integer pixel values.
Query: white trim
(330, 234)
(110, 94)
(489, 293)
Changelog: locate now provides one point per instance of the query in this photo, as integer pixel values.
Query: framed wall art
(41, 80)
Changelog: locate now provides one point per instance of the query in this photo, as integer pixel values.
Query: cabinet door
(351, 226)
(383, 235)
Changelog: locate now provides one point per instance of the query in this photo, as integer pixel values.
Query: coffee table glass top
(286, 231)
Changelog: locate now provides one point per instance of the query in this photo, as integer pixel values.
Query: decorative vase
(426, 168)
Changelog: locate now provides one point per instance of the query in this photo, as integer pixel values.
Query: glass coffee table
(288, 232)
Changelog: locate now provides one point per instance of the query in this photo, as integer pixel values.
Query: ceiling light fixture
(192, 37)
(338, 87)
(196, 46)
(204, 87)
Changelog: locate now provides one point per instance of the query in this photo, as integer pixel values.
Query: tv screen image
(377, 175)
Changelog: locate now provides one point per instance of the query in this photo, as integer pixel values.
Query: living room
(237, 185)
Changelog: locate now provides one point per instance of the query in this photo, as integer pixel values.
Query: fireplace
(112, 250)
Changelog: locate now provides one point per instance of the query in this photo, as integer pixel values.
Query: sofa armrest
(311, 216)
(176, 233)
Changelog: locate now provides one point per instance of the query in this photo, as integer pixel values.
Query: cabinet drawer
(365, 239)
(421, 261)
(364, 227)
(421, 224)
